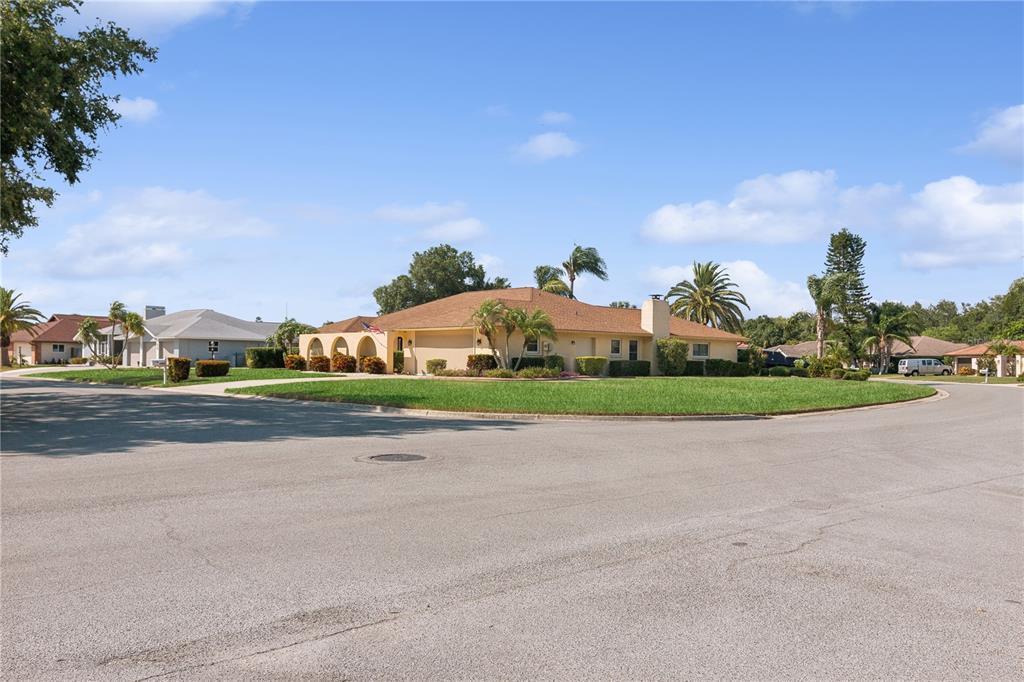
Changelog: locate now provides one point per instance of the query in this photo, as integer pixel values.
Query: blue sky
(296, 154)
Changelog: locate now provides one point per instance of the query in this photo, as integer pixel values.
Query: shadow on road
(62, 419)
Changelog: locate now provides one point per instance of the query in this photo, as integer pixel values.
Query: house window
(616, 347)
(58, 348)
(634, 348)
(399, 344)
(532, 346)
(700, 350)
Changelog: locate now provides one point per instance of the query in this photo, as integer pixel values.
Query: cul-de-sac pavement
(155, 535)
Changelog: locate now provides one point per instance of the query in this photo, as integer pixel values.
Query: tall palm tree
(117, 315)
(133, 327)
(711, 298)
(584, 259)
(826, 291)
(15, 316)
(549, 279)
(511, 319)
(534, 326)
(486, 319)
(886, 330)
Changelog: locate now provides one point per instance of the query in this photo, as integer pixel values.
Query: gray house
(198, 334)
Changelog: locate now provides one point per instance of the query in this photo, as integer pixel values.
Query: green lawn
(154, 377)
(648, 396)
(956, 379)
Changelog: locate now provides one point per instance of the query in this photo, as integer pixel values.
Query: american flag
(372, 328)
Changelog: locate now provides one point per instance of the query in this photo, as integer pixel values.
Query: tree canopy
(711, 298)
(436, 273)
(54, 104)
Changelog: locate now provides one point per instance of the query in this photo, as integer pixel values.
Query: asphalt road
(149, 535)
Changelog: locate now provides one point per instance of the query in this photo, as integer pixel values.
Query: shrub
(371, 364)
(629, 368)
(212, 368)
(779, 372)
(340, 362)
(755, 358)
(591, 365)
(798, 372)
(319, 363)
(436, 365)
(856, 375)
(672, 357)
(555, 362)
(725, 368)
(820, 367)
(77, 361)
(523, 363)
(694, 368)
(294, 361)
(178, 368)
(837, 373)
(398, 361)
(538, 373)
(259, 357)
(479, 363)
(451, 373)
(499, 374)
(967, 371)
(763, 372)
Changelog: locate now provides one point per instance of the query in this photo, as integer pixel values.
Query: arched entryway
(366, 347)
(340, 346)
(316, 348)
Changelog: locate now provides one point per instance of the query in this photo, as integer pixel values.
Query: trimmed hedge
(178, 368)
(398, 361)
(294, 361)
(591, 365)
(725, 368)
(672, 355)
(261, 357)
(77, 361)
(538, 373)
(319, 363)
(549, 361)
(694, 368)
(371, 364)
(340, 362)
(778, 371)
(500, 374)
(480, 362)
(212, 368)
(629, 368)
(436, 365)
(798, 372)
(857, 375)
(837, 373)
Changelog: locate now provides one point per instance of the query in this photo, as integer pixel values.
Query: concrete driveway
(148, 534)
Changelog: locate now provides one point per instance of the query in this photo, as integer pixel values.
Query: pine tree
(846, 257)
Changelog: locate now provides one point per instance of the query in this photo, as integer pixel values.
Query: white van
(912, 367)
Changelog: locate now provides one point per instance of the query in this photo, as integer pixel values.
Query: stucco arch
(315, 347)
(366, 347)
(340, 345)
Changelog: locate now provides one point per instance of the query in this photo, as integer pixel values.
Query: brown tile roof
(60, 328)
(982, 348)
(567, 314)
(352, 324)
(796, 350)
(926, 346)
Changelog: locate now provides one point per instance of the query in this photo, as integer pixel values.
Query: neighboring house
(1006, 365)
(785, 354)
(198, 334)
(923, 347)
(442, 329)
(52, 341)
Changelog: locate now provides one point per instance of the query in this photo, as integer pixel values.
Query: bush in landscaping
(77, 361)
(259, 357)
(479, 363)
(820, 367)
(837, 373)
(451, 373)
(436, 365)
(629, 368)
(763, 372)
(398, 361)
(755, 359)
(694, 368)
(555, 362)
(538, 373)
(672, 357)
(212, 368)
(500, 374)
(966, 371)
(294, 361)
(340, 362)
(798, 372)
(371, 364)
(856, 375)
(591, 365)
(523, 363)
(725, 368)
(178, 368)
(779, 372)
(319, 363)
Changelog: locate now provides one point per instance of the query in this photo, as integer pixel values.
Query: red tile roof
(60, 328)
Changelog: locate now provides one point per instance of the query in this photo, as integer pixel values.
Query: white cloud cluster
(450, 222)
(766, 294)
(547, 146)
(150, 232)
(1001, 135)
(555, 118)
(154, 16)
(137, 109)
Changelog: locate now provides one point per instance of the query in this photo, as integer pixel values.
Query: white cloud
(154, 16)
(491, 263)
(1001, 135)
(429, 212)
(958, 221)
(150, 232)
(455, 230)
(555, 118)
(547, 146)
(137, 109)
(765, 294)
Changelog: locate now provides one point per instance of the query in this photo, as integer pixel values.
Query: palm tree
(583, 260)
(15, 316)
(117, 315)
(825, 291)
(89, 333)
(133, 327)
(886, 329)
(534, 326)
(511, 319)
(486, 319)
(549, 279)
(710, 299)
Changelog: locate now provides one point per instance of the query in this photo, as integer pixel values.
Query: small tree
(15, 316)
(287, 335)
(672, 354)
(89, 333)
(486, 319)
(133, 326)
(510, 321)
(534, 326)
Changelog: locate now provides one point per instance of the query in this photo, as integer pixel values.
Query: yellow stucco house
(442, 329)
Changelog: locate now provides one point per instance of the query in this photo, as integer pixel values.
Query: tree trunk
(5, 359)
(572, 285)
(820, 332)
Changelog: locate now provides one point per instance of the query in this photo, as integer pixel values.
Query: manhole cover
(397, 457)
